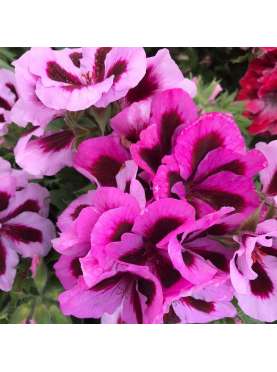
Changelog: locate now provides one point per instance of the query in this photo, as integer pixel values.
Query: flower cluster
(24, 227)
(258, 89)
(175, 230)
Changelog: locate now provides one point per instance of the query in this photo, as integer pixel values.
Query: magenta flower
(268, 175)
(170, 111)
(8, 97)
(100, 159)
(44, 153)
(24, 228)
(253, 272)
(210, 168)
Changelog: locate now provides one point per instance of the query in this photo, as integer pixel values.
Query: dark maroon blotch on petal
(29, 205)
(117, 70)
(11, 87)
(200, 305)
(77, 211)
(218, 199)
(4, 200)
(3, 255)
(147, 288)
(269, 251)
(167, 274)
(4, 104)
(2, 119)
(188, 258)
(122, 228)
(135, 300)
(171, 317)
(152, 157)
(216, 258)
(21, 233)
(272, 187)
(75, 58)
(108, 283)
(162, 227)
(105, 169)
(169, 122)
(98, 69)
(56, 141)
(57, 73)
(146, 87)
(204, 145)
(75, 267)
(262, 286)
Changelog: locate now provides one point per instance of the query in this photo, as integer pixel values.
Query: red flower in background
(259, 90)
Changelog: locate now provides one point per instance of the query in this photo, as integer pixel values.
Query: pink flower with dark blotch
(211, 168)
(8, 97)
(203, 304)
(131, 291)
(258, 90)
(253, 271)
(24, 227)
(44, 153)
(162, 73)
(170, 111)
(29, 108)
(143, 245)
(197, 254)
(100, 159)
(76, 79)
(268, 175)
(129, 122)
(85, 215)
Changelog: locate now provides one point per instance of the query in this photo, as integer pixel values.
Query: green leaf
(57, 317)
(41, 314)
(41, 277)
(21, 314)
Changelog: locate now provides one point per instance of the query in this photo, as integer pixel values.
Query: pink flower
(162, 73)
(75, 79)
(100, 159)
(29, 108)
(253, 272)
(171, 110)
(8, 97)
(268, 175)
(211, 168)
(44, 153)
(203, 304)
(24, 228)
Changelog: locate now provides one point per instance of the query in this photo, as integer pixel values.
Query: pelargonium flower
(253, 271)
(100, 159)
(75, 79)
(29, 108)
(8, 97)
(211, 168)
(161, 74)
(268, 175)
(170, 111)
(203, 304)
(258, 89)
(24, 227)
(44, 153)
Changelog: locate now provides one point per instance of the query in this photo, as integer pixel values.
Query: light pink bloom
(253, 272)
(268, 175)
(29, 108)
(24, 228)
(42, 153)
(203, 304)
(8, 97)
(74, 80)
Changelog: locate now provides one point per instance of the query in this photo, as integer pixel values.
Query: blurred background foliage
(34, 299)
